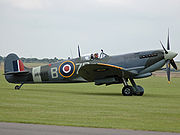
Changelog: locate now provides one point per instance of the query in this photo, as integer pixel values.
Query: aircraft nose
(170, 55)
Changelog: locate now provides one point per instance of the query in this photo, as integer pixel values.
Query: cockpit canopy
(92, 56)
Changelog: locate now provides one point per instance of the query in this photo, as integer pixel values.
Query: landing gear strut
(131, 90)
(17, 87)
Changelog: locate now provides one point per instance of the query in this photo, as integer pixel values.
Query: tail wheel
(127, 91)
(16, 87)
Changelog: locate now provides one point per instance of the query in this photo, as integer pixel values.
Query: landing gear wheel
(127, 91)
(16, 87)
(140, 91)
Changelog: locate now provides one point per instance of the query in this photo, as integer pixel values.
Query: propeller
(164, 48)
(168, 46)
(169, 58)
(173, 64)
(168, 68)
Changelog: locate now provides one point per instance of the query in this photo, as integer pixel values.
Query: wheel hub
(127, 91)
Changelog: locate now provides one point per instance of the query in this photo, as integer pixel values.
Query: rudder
(12, 63)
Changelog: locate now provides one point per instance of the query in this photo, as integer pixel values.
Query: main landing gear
(132, 90)
(17, 87)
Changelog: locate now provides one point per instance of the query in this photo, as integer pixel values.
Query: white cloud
(27, 4)
(115, 2)
(140, 6)
(94, 23)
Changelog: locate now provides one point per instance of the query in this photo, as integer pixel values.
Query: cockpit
(94, 56)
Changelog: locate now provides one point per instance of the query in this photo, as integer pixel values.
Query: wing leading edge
(101, 71)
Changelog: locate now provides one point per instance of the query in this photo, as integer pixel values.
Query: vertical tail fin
(12, 63)
(14, 69)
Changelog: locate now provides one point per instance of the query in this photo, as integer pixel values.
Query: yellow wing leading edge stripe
(109, 65)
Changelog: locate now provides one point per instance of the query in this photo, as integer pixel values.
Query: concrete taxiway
(36, 129)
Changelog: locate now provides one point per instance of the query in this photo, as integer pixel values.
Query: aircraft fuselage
(66, 71)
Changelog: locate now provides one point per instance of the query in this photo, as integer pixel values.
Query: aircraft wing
(97, 71)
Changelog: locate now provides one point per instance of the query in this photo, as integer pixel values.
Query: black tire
(127, 91)
(141, 91)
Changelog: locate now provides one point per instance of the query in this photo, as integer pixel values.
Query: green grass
(88, 105)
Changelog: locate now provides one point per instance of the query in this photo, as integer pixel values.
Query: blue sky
(54, 28)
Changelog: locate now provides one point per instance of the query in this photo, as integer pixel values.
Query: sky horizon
(54, 28)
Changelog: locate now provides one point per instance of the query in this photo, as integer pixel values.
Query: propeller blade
(79, 51)
(168, 44)
(168, 70)
(164, 48)
(173, 64)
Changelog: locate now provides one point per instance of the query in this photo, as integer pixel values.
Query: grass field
(88, 105)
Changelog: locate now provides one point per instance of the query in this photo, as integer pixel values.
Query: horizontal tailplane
(14, 69)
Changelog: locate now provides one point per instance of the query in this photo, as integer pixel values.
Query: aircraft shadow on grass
(148, 95)
(75, 92)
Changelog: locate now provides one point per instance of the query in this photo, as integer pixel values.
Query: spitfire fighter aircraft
(101, 69)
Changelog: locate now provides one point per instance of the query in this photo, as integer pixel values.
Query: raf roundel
(67, 69)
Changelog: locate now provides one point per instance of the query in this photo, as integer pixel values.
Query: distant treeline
(45, 60)
(35, 60)
(1, 59)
